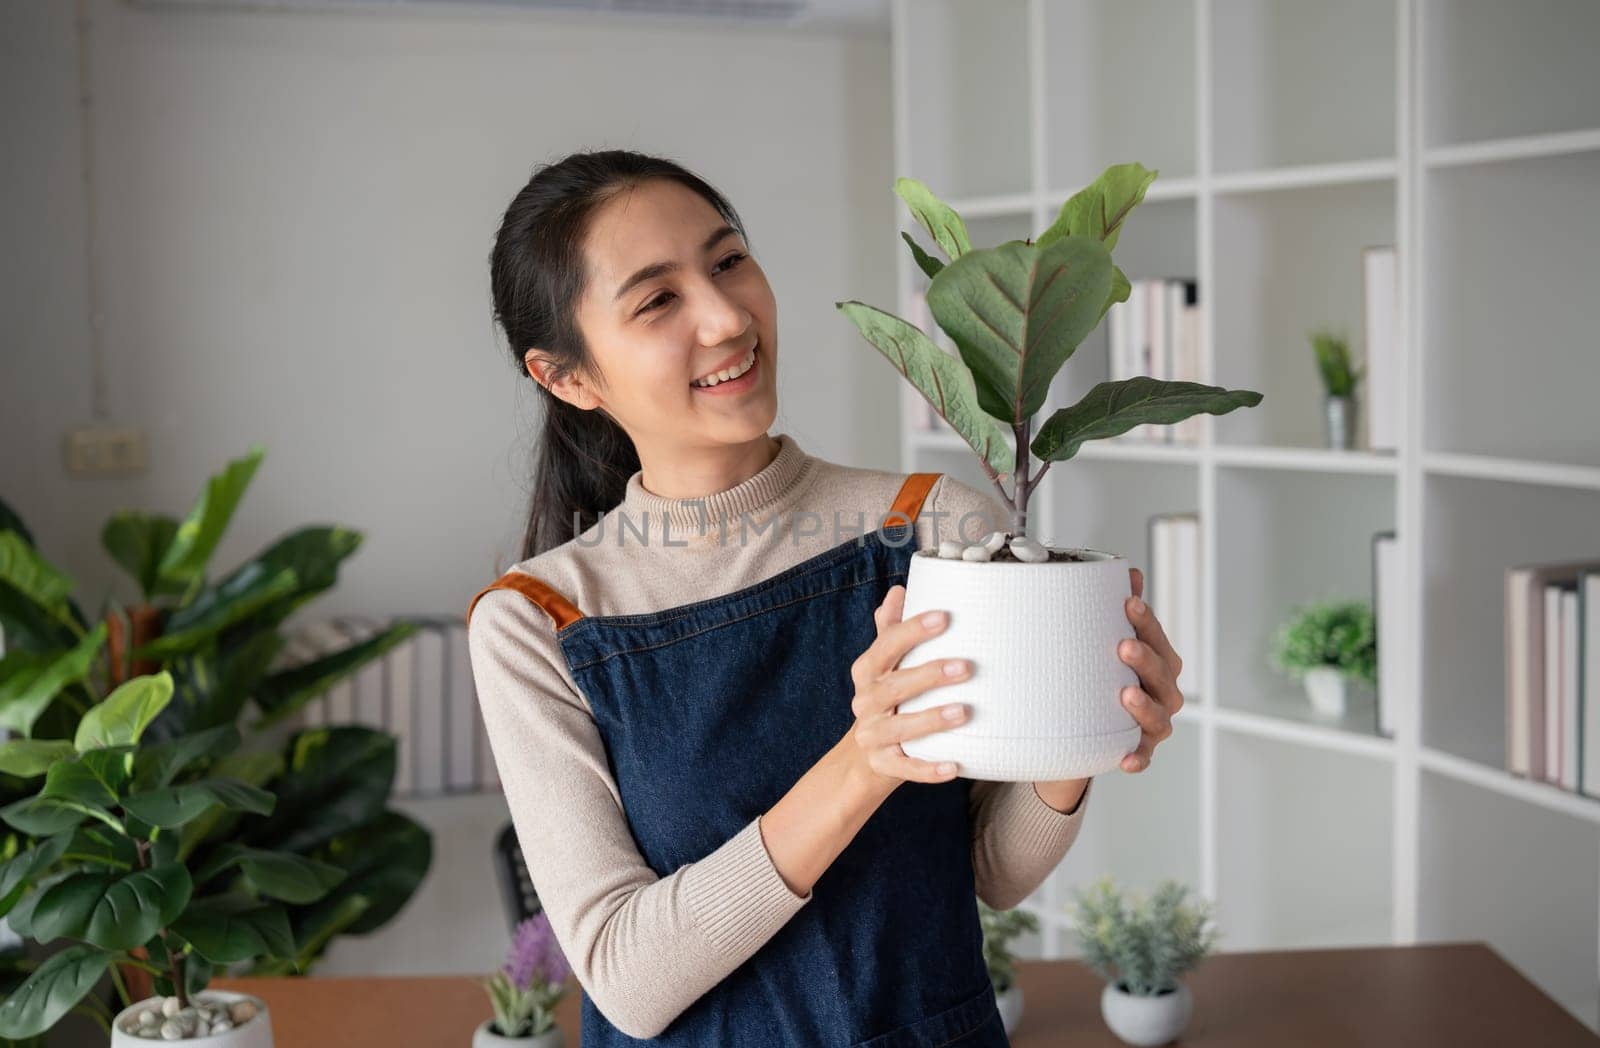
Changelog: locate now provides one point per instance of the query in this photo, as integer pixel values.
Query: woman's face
(672, 296)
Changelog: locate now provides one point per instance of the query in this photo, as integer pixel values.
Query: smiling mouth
(731, 374)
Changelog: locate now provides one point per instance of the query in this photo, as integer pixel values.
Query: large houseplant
(1041, 624)
(312, 801)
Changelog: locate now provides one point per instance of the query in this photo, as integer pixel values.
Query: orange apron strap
(908, 503)
(562, 611)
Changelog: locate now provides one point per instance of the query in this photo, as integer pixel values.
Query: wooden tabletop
(1458, 994)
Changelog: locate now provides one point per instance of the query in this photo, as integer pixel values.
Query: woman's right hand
(874, 739)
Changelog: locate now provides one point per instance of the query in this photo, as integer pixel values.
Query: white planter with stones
(1146, 1021)
(252, 1032)
(1046, 684)
(485, 1037)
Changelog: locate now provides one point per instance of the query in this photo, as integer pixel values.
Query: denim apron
(711, 712)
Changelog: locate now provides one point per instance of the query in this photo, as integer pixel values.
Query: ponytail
(536, 274)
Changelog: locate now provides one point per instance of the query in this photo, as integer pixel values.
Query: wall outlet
(98, 451)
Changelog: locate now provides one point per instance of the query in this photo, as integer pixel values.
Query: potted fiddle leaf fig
(159, 735)
(1040, 623)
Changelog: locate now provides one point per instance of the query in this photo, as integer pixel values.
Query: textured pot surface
(1046, 684)
(254, 1033)
(1146, 1021)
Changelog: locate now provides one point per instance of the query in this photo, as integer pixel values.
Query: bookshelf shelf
(1290, 135)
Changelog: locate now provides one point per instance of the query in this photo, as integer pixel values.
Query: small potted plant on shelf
(1041, 624)
(1325, 644)
(160, 821)
(999, 928)
(525, 990)
(1142, 948)
(1340, 377)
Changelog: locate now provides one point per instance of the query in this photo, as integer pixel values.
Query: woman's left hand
(1157, 700)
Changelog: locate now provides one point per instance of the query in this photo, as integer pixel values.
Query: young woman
(690, 680)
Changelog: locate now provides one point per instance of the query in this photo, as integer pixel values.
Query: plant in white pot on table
(1142, 947)
(1041, 624)
(526, 989)
(999, 928)
(1325, 645)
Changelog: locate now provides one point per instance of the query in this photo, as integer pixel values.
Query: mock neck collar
(752, 496)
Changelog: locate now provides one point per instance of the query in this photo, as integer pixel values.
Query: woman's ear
(570, 387)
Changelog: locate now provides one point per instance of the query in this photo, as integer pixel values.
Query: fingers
(890, 731)
(895, 637)
(1155, 722)
(1136, 577)
(1148, 628)
(1155, 676)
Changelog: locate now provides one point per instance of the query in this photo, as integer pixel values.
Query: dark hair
(536, 275)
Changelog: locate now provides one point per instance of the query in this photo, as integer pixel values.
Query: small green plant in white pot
(1327, 644)
(1340, 377)
(526, 989)
(999, 928)
(1040, 624)
(1142, 947)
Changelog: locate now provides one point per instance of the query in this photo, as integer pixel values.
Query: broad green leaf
(1120, 290)
(22, 869)
(283, 694)
(386, 859)
(26, 758)
(1100, 208)
(26, 571)
(111, 910)
(225, 929)
(929, 265)
(95, 845)
(197, 536)
(217, 608)
(20, 918)
(314, 555)
(258, 768)
(171, 806)
(138, 541)
(314, 927)
(1113, 408)
(281, 875)
(27, 687)
(941, 378)
(42, 816)
(337, 779)
(937, 217)
(157, 764)
(92, 783)
(60, 981)
(122, 717)
(1017, 313)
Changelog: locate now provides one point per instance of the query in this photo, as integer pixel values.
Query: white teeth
(728, 373)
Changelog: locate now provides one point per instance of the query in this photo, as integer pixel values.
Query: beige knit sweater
(645, 947)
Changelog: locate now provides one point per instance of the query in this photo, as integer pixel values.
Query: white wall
(295, 216)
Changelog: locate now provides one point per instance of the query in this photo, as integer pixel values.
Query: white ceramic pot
(484, 1037)
(1010, 1005)
(253, 1033)
(1325, 687)
(1046, 684)
(1146, 1021)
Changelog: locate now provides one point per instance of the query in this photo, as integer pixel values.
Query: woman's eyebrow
(656, 269)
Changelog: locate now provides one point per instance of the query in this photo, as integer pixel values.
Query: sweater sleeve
(643, 947)
(1017, 839)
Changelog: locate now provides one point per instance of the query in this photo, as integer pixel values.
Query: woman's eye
(666, 296)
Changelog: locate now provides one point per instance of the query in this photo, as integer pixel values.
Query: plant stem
(174, 962)
(1023, 488)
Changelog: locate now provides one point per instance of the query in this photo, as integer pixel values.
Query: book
(1388, 604)
(1173, 588)
(1526, 747)
(1589, 680)
(1571, 775)
(1385, 352)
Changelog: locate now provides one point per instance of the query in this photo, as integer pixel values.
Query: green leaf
(937, 217)
(282, 694)
(1113, 408)
(24, 867)
(1120, 290)
(225, 929)
(113, 911)
(29, 681)
(60, 982)
(10, 521)
(42, 816)
(337, 779)
(138, 541)
(217, 608)
(281, 875)
(1017, 313)
(257, 768)
(122, 717)
(25, 570)
(200, 532)
(314, 555)
(941, 378)
(171, 806)
(92, 783)
(1100, 208)
(929, 265)
(157, 764)
(26, 758)
(314, 928)
(386, 860)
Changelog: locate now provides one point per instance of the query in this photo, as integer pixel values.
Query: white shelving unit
(1289, 134)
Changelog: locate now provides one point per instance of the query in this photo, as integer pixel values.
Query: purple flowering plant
(525, 990)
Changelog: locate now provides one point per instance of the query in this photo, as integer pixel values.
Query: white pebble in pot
(949, 549)
(1028, 550)
(976, 553)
